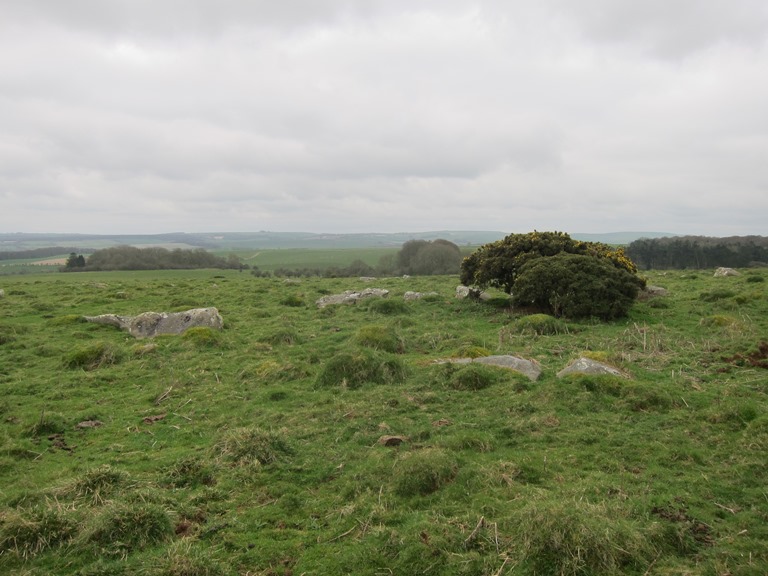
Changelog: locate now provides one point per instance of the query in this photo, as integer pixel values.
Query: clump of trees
(132, 258)
(552, 272)
(428, 258)
(697, 252)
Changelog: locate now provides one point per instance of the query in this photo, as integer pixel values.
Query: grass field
(267, 448)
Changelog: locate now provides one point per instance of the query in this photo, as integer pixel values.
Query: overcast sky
(151, 116)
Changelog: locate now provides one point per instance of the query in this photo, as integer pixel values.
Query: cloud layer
(333, 115)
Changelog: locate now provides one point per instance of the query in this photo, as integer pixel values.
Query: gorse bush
(558, 275)
(576, 286)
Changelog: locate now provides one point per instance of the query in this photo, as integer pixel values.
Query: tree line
(697, 252)
(35, 253)
(415, 258)
(132, 258)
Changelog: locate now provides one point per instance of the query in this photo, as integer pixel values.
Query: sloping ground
(300, 440)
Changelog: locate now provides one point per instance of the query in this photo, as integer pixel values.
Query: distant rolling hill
(266, 240)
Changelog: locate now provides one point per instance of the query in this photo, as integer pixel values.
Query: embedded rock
(589, 366)
(726, 272)
(529, 368)
(411, 296)
(149, 324)
(351, 297)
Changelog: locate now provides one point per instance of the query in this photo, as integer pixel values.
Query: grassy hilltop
(301, 440)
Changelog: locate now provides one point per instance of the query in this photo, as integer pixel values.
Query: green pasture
(300, 440)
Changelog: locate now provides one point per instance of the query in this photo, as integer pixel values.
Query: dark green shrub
(383, 338)
(353, 369)
(120, 529)
(576, 286)
(253, 445)
(755, 278)
(93, 356)
(424, 472)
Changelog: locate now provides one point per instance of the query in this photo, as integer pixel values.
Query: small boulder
(529, 368)
(726, 272)
(410, 296)
(149, 324)
(351, 297)
(588, 366)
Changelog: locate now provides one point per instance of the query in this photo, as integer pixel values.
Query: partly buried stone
(529, 368)
(726, 272)
(410, 296)
(351, 297)
(149, 324)
(652, 292)
(589, 366)
(463, 292)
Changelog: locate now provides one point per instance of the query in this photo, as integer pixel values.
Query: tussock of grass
(388, 307)
(537, 325)
(66, 320)
(48, 423)
(378, 337)
(202, 337)
(577, 538)
(423, 472)
(93, 356)
(186, 558)
(470, 376)
(120, 529)
(24, 533)
(716, 294)
(253, 445)
(354, 369)
(190, 472)
(97, 484)
(286, 336)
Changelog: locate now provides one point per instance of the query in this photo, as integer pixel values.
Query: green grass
(256, 450)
